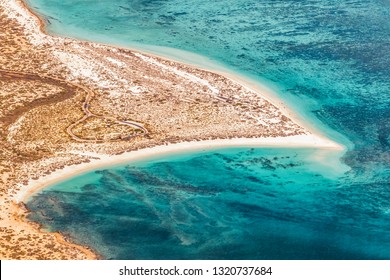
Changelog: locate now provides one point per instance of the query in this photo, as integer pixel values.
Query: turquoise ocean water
(329, 60)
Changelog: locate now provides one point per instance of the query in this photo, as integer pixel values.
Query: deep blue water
(329, 60)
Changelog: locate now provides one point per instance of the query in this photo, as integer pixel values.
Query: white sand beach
(243, 114)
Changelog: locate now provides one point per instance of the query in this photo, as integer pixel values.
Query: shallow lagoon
(239, 203)
(329, 60)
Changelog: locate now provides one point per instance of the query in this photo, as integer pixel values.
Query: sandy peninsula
(69, 106)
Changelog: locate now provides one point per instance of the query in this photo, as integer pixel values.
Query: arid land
(66, 103)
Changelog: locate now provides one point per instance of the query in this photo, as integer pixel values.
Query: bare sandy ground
(44, 80)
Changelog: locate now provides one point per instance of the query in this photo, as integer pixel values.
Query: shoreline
(105, 161)
(312, 139)
(20, 211)
(247, 82)
(220, 69)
